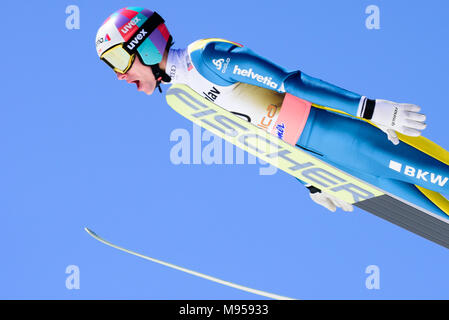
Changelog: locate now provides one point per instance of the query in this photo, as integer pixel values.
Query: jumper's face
(141, 75)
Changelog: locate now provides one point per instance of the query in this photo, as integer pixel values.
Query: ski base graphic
(268, 147)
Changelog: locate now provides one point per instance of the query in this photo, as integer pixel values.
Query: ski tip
(90, 231)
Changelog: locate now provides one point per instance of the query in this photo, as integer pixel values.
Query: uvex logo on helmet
(137, 39)
(129, 25)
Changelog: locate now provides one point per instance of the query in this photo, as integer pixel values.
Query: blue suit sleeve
(232, 63)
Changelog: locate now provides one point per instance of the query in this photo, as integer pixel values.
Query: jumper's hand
(401, 117)
(391, 134)
(330, 202)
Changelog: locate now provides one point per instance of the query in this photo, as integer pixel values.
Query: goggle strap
(107, 62)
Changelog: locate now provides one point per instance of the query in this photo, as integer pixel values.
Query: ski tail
(422, 144)
(407, 216)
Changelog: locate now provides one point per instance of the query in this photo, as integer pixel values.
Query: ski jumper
(323, 121)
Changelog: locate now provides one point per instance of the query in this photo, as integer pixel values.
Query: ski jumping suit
(235, 78)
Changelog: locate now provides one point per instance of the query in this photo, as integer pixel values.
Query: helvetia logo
(137, 39)
(259, 78)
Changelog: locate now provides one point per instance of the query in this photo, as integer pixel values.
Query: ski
(268, 147)
(307, 168)
(405, 215)
(194, 273)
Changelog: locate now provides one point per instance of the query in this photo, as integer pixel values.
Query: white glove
(330, 202)
(401, 117)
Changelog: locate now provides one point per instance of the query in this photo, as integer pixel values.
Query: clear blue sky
(79, 148)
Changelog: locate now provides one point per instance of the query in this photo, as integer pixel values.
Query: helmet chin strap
(160, 76)
(158, 73)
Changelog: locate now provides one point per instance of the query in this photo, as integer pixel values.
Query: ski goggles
(118, 58)
(121, 56)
